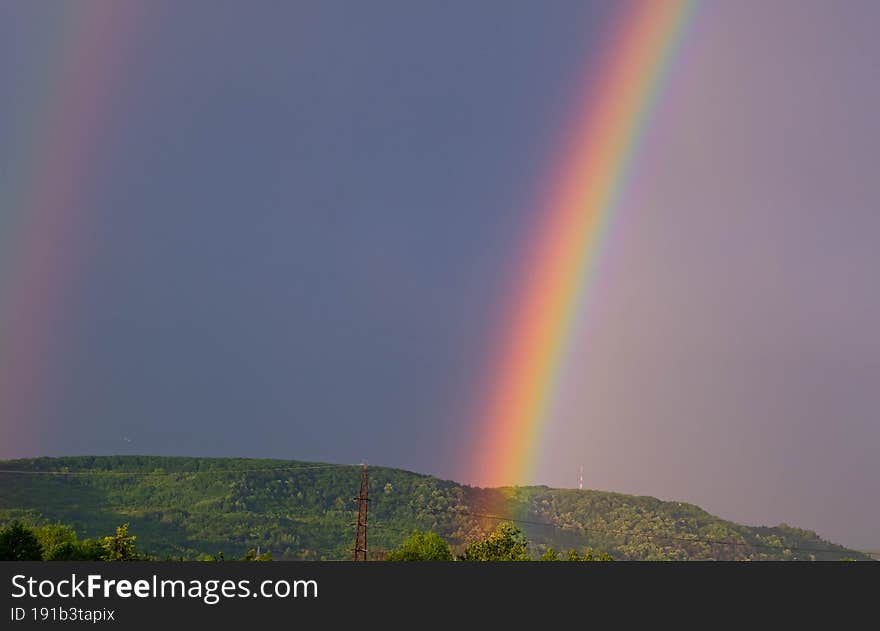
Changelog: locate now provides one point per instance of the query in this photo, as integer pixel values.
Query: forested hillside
(191, 507)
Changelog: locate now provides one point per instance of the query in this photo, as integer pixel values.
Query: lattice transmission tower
(363, 498)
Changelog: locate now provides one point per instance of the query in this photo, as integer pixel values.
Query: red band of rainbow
(585, 194)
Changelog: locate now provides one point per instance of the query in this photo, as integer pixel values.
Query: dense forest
(205, 508)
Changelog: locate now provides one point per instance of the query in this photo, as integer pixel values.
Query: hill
(187, 507)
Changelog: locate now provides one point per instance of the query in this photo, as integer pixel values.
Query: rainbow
(572, 226)
(44, 238)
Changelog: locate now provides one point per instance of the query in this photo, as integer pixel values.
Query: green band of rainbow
(44, 220)
(584, 195)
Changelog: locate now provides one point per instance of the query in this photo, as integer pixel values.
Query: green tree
(79, 550)
(19, 543)
(252, 555)
(550, 555)
(506, 543)
(588, 555)
(60, 543)
(119, 547)
(422, 546)
(57, 540)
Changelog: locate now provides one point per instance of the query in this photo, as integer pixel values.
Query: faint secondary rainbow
(584, 194)
(44, 236)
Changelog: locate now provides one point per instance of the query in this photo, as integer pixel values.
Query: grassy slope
(298, 510)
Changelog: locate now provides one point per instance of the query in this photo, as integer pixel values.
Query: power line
(172, 473)
(374, 525)
(637, 535)
(294, 468)
(642, 535)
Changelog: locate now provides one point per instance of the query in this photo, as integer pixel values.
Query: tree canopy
(422, 546)
(120, 547)
(58, 542)
(506, 543)
(189, 507)
(19, 543)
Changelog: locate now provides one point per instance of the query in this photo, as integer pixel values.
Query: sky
(290, 230)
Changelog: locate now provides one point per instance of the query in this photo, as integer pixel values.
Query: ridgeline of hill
(187, 507)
